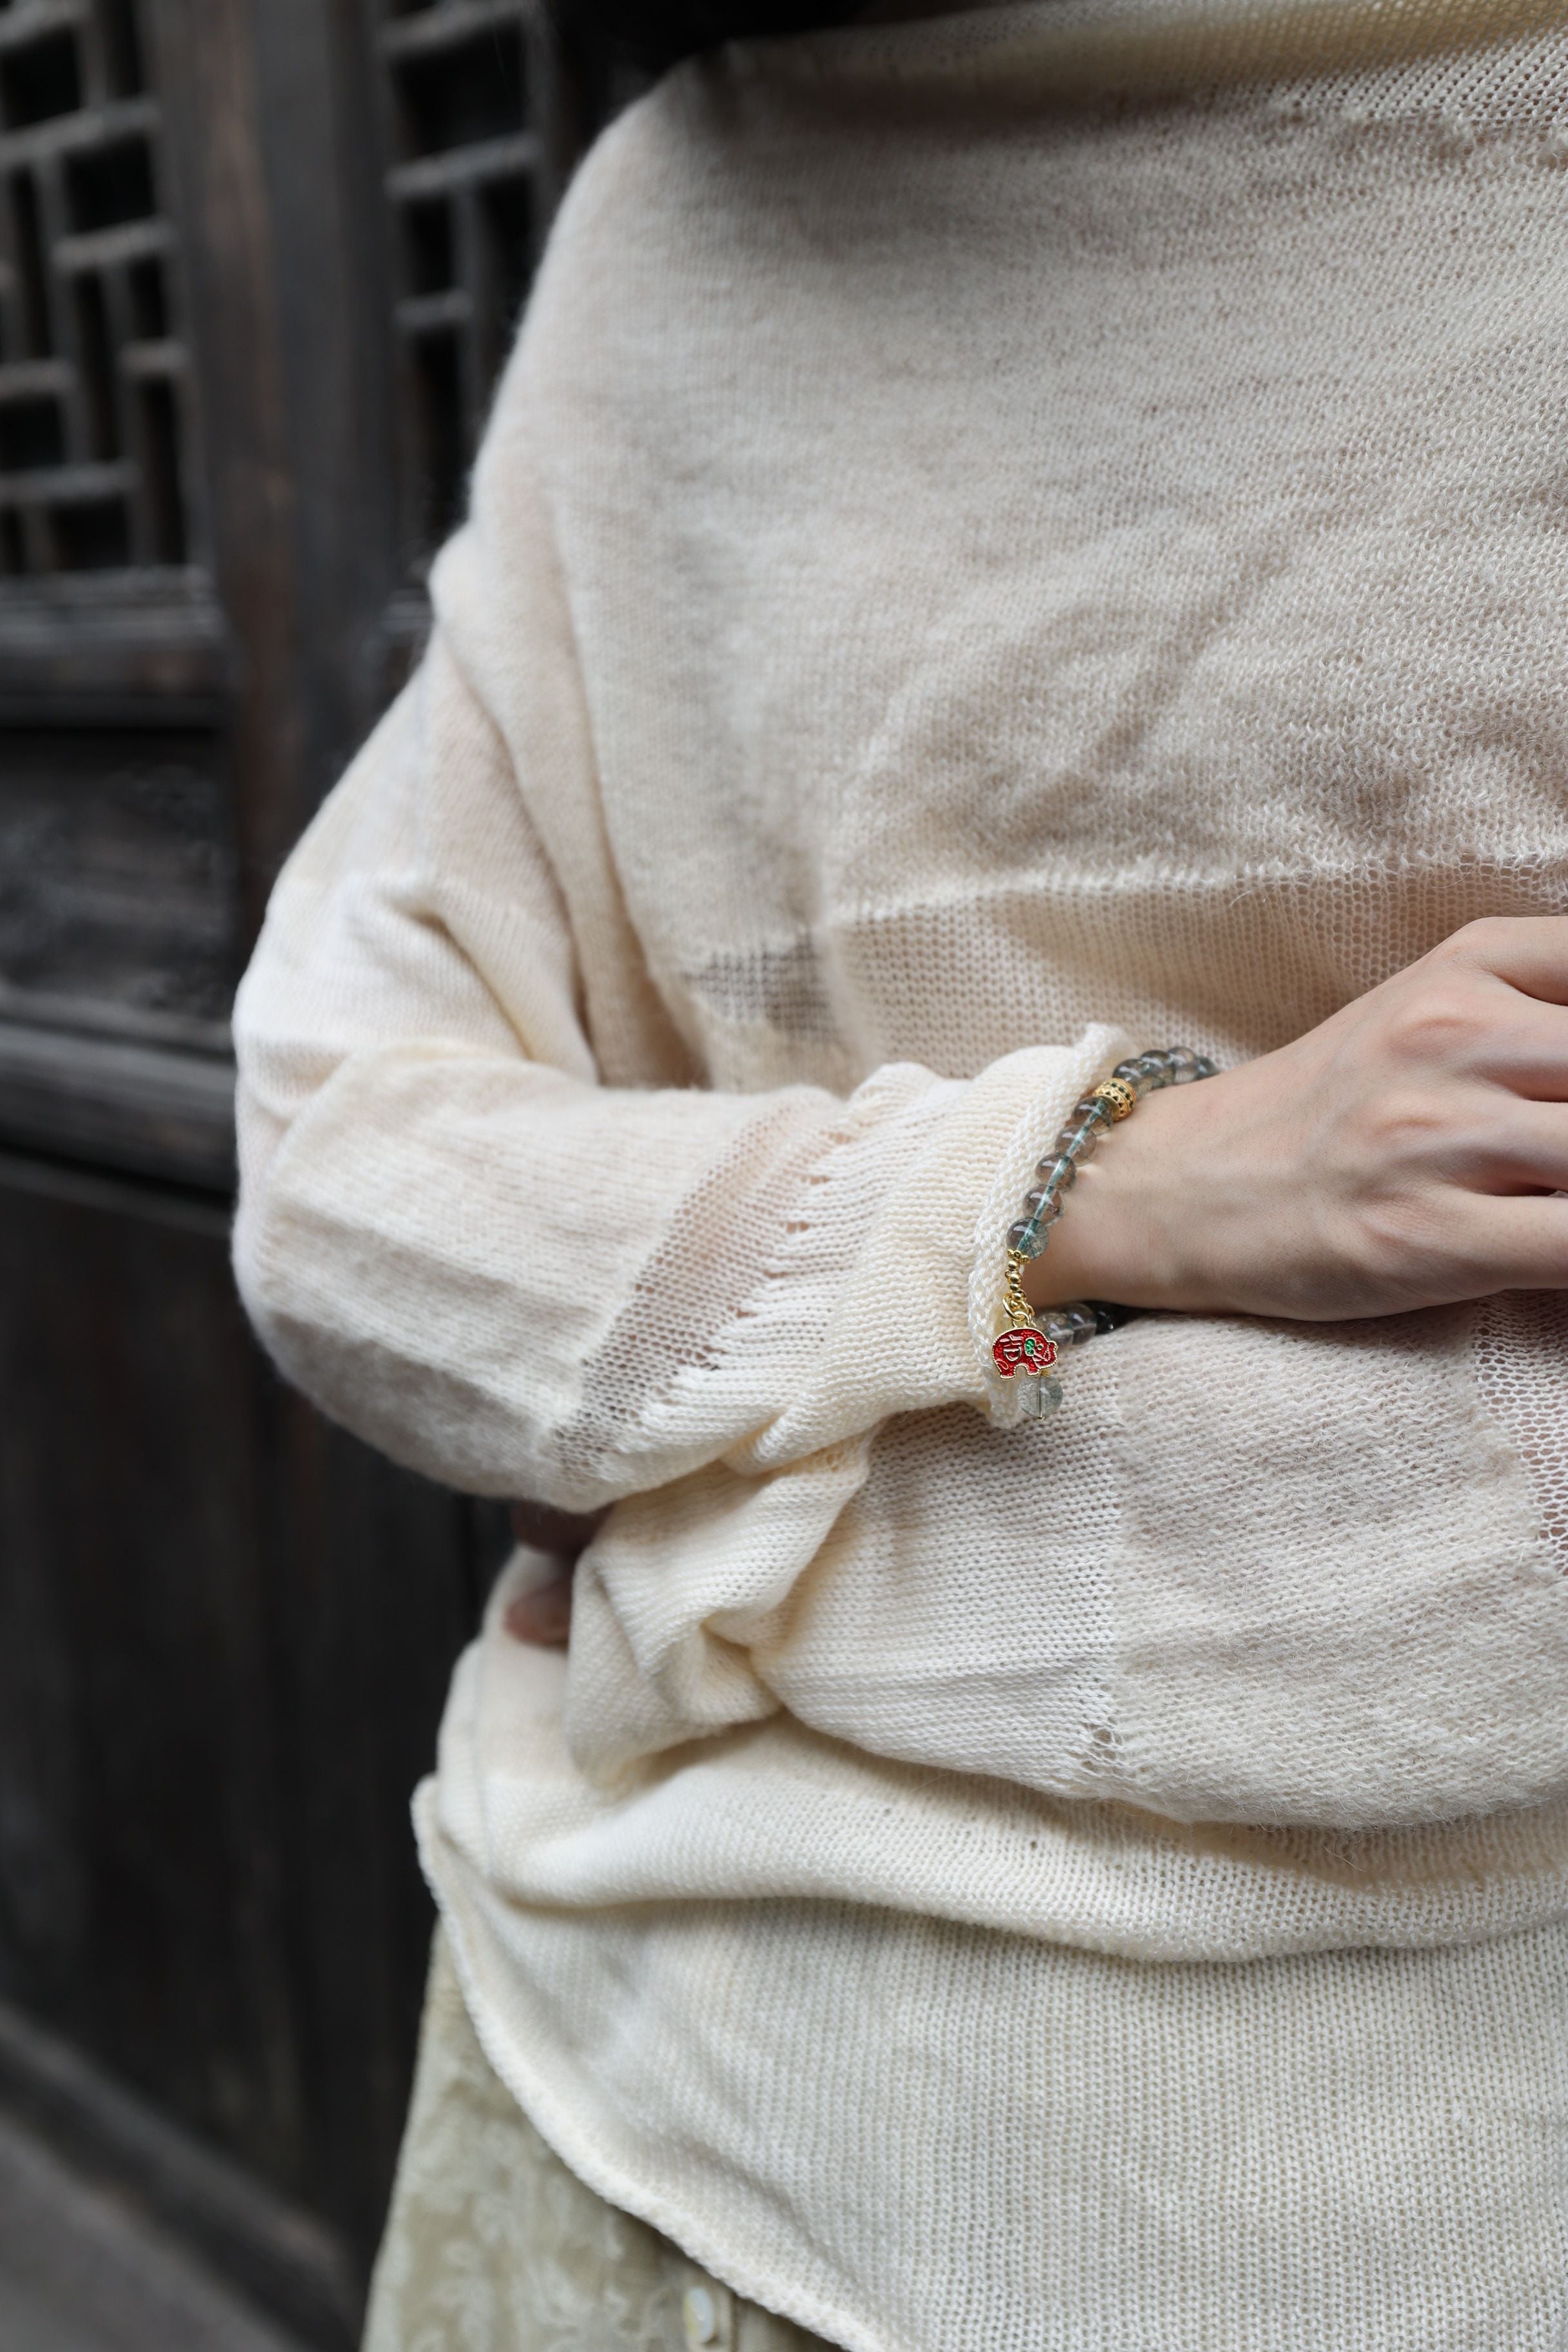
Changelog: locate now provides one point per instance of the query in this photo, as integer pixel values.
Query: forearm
(526, 1284)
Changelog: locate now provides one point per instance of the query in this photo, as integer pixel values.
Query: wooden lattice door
(259, 263)
(92, 437)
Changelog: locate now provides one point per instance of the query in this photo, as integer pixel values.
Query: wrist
(1122, 1235)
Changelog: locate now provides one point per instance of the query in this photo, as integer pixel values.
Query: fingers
(1511, 1242)
(1530, 951)
(1523, 1045)
(541, 1618)
(563, 1533)
(1520, 1147)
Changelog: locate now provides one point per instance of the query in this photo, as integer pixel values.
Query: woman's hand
(1402, 1154)
(542, 1616)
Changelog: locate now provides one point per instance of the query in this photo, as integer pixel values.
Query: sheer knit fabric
(493, 2245)
(1002, 541)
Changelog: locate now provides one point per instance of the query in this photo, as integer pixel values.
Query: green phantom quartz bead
(1077, 1142)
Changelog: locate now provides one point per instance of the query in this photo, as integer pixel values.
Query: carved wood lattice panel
(93, 431)
(475, 129)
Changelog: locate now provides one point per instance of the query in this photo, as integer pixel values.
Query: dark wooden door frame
(271, 148)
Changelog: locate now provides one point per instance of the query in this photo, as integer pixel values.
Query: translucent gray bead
(1043, 1205)
(1090, 1106)
(1039, 1396)
(1056, 1325)
(1057, 1175)
(1028, 1238)
(1077, 1142)
(1083, 1325)
(1135, 1075)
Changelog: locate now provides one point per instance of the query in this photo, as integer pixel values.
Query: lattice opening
(27, 241)
(39, 83)
(122, 48)
(92, 537)
(462, 96)
(149, 299)
(161, 445)
(442, 445)
(506, 209)
(110, 185)
(96, 345)
(431, 249)
(31, 436)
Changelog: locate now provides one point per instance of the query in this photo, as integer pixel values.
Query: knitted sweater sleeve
(467, 1245)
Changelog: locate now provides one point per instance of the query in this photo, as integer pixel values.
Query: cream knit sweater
(1004, 540)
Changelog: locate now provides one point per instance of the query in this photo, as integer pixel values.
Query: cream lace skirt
(492, 2246)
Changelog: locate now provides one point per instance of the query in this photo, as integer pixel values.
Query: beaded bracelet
(1030, 1345)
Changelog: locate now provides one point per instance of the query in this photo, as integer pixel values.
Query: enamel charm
(1022, 1348)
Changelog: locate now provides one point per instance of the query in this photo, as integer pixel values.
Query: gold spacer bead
(1123, 1102)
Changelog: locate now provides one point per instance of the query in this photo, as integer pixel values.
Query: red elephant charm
(1024, 1350)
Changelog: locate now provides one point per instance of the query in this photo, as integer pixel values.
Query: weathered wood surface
(226, 1632)
(149, 2239)
(79, 2272)
(117, 873)
(259, 260)
(118, 1103)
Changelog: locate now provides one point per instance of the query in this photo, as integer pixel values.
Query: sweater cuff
(897, 1261)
